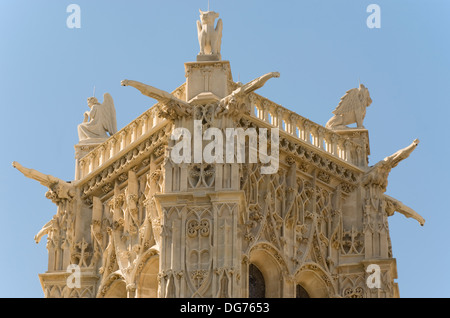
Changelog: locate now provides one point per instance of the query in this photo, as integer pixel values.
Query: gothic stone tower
(139, 222)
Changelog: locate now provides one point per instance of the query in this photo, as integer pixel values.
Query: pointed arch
(270, 263)
(114, 286)
(146, 274)
(315, 281)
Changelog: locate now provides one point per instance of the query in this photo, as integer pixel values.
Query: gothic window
(256, 283)
(301, 292)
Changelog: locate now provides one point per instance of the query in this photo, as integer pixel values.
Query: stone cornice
(304, 129)
(103, 175)
(319, 158)
(128, 136)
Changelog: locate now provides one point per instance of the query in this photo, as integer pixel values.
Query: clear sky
(321, 48)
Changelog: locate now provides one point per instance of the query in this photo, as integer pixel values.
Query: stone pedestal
(209, 57)
(206, 80)
(361, 137)
(82, 149)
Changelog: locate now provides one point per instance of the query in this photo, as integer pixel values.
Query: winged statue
(351, 109)
(209, 37)
(100, 120)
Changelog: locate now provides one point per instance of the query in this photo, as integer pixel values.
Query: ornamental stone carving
(138, 223)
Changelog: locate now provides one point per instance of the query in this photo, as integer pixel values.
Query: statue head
(208, 17)
(364, 93)
(92, 101)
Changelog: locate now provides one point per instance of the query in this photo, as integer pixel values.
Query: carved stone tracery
(136, 223)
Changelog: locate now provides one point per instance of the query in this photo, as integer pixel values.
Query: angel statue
(100, 120)
(351, 109)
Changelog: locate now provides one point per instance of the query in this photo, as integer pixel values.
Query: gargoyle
(58, 190)
(375, 182)
(170, 108)
(45, 230)
(57, 187)
(378, 174)
(351, 109)
(231, 103)
(393, 205)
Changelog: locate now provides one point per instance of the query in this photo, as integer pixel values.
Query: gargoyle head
(208, 17)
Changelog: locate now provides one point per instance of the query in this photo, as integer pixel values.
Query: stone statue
(171, 107)
(210, 38)
(99, 121)
(351, 109)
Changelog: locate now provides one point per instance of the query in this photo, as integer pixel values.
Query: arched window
(256, 283)
(300, 292)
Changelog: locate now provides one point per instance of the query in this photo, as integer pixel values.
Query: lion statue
(351, 109)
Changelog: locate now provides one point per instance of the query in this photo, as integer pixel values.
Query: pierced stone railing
(121, 140)
(118, 142)
(339, 146)
(310, 132)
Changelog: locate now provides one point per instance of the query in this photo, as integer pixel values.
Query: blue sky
(321, 48)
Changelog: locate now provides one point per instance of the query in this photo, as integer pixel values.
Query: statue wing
(110, 121)
(349, 102)
(199, 27)
(219, 28)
